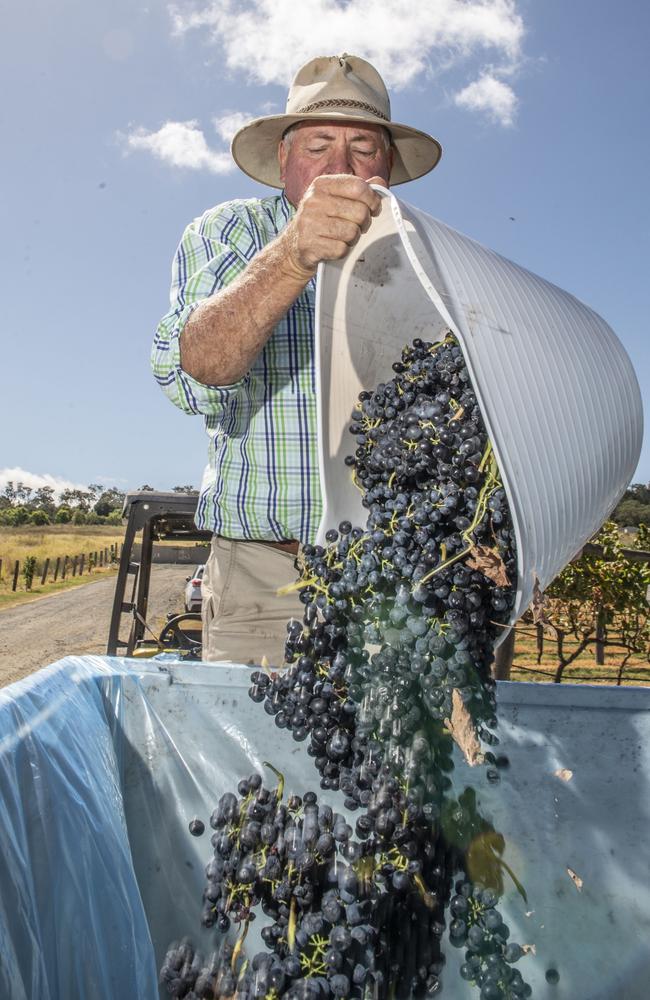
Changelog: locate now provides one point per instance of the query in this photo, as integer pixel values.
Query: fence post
(0, 569)
(16, 569)
(45, 569)
(65, 567)
(81, 564)
(539, 641)
(503, 658)
(101, 558)
(56, 568)
(601, 636)
(74, 565)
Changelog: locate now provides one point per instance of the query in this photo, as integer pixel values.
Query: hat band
(341, 102)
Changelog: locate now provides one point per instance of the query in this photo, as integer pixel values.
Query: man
(238, 342)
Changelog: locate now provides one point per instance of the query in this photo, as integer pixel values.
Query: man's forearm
(226, 333)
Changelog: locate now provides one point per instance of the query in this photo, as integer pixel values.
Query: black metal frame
(162, 517)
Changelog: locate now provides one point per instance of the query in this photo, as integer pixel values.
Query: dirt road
(75, 622)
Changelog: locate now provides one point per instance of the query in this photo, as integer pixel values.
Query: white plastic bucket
(558, 394)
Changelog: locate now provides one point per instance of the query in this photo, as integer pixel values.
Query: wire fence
(62, 568)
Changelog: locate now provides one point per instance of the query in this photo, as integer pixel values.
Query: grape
(395, 627)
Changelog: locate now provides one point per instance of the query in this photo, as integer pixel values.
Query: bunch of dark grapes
(400, 619)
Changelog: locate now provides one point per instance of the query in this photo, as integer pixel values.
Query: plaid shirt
(261, 480)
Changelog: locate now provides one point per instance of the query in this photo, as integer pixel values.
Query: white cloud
(267, 39)
(490, 95)
(229, 123)
(180, 144)
(409, 41)
(36, 480)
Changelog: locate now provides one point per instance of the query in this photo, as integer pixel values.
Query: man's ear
(282, 158)
(391, 158)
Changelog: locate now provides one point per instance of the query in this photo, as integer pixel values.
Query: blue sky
(541, 106)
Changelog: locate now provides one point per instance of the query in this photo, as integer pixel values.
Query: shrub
(17, 516)
(79, 517)
(29, 568)
(39, 517)
(63, 515)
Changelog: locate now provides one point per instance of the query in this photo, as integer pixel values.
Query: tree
(23, 494)
(43, 499)
(10, 493)
(77, 498)
(640, 492)
(632, 512)
(39, 516)
(634, 506)
(110, 500)
(146, 488)
(63, 515)
(610, 590)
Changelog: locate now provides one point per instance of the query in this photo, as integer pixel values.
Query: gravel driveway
(76, 621)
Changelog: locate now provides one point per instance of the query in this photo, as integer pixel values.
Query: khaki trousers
(244, 619)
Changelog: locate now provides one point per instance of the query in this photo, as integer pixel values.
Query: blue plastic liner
(104, 762)
(72, 922)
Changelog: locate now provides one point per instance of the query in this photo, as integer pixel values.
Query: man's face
(332, 148)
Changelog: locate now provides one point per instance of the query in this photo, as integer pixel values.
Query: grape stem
(238, 946)
(280, 789)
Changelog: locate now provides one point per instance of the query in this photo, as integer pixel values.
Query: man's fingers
(340, 229)
(328, 249)
(350, 187)
(335, 207)
(383, 183)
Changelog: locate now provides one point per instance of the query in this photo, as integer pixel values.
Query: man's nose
(340, 162)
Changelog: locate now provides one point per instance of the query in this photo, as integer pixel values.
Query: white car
(193, 590)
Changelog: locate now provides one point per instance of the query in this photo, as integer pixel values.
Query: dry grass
(50, 542)
(54, 540)
(583, 670)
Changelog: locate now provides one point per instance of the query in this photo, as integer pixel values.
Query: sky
(116, 121)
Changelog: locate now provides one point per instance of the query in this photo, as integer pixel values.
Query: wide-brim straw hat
(340, 89)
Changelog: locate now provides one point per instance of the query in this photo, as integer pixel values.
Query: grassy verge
(52, 542)
(11, 599)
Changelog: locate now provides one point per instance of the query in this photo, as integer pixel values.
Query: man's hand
(226, 333)
(334, 211)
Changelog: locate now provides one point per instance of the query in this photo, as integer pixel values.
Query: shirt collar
(286, 208)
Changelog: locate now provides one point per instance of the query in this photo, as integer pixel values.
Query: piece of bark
(577, 881)
(463, 731)
(563, 773)
(538, 607)
(488, 562)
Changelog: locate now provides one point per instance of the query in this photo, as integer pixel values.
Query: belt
(292, 546)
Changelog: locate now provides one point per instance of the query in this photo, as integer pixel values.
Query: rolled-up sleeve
(213, 251)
